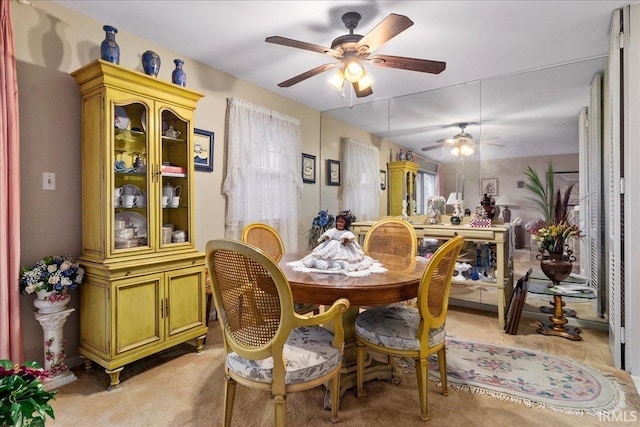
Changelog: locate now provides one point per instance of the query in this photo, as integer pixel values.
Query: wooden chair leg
(442, 363)
(360, 356)
(422, 373)
(280, 410)
(229, 397)
(334, 385)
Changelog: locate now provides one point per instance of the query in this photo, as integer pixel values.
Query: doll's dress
(334, 256)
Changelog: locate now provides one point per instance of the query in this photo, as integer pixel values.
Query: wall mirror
(524, 118)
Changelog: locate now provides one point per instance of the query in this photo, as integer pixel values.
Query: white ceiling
(479, 41)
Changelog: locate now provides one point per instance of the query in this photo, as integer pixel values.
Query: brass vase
(556, 266)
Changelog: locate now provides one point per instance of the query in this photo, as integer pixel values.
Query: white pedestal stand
(54, 356)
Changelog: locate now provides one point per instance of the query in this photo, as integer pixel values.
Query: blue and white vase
(151, 63)
(178, 76)
(109, 49)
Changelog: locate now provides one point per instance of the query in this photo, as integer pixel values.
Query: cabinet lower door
(185, 300)
(139, 309)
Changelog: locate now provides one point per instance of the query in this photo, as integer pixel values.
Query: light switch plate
(48, 180)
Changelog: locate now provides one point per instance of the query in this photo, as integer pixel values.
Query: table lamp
(506, 201)
(455, 201)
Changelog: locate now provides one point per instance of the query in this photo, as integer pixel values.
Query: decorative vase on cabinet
(178, 76)
(142, 294)
(109, 49)
(151, 63)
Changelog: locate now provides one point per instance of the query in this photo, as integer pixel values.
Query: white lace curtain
(263, 183)
(361, 179)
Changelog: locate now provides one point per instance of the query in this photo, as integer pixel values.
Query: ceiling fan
(352, 49)
(462, 144)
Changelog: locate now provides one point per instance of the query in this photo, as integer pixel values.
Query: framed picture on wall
(333, 172)
(489, 186)
(308, 168)
(383, 179)
(203, 150)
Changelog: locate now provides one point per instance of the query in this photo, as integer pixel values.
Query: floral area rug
(525, 376)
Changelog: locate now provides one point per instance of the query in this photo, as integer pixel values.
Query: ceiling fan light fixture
(365, 81)
(337, 80)
(353, 70)
(467, 150)
(463, 150)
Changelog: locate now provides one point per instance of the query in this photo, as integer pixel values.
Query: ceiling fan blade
(412, 64)
(303, 45)
(361, 93)
(306, 75)
(433, 147)
(387, 29)
(491, 143)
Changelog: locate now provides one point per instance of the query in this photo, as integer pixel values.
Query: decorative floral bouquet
(553, 237)
(319, 225)
(52, 274)
(552, 232)
(23, 401)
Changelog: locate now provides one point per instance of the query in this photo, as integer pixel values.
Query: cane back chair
(394, 240)
(267, 345)
(413, 332)
(267, 238)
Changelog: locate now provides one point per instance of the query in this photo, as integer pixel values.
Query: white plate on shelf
(121, 119)
(143, 120)
(134, 219)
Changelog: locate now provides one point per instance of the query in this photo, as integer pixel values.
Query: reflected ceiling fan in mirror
(351, 50)
(462, 144)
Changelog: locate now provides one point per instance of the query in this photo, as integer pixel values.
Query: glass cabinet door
(130, 178)
(174, 199)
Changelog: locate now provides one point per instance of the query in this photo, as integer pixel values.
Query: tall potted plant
(554, 231)
(23, 401)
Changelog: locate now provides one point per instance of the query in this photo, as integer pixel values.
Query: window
(425, 188)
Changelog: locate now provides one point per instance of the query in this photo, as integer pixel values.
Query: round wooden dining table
(399, 283)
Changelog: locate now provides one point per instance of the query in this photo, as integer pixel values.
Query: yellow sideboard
(498, 236)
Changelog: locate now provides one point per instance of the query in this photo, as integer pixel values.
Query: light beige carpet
(181, 388)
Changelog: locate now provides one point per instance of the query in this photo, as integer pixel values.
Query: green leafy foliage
(23, 400)
(542, 193)
(555, 229)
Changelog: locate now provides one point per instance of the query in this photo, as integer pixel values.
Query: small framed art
(308, 168)
(489, 186)
(333, 172)
(383, 179)
(203, 150)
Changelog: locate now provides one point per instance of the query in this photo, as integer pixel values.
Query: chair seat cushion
(394, 327)
(308, 353)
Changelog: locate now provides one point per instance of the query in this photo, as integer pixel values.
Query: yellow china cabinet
(402, 187)
(145, 286)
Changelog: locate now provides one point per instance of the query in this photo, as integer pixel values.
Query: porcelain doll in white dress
(338, 249)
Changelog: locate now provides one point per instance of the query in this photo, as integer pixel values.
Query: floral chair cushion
(308, 354)
(394, 327)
